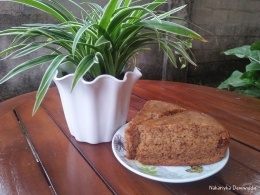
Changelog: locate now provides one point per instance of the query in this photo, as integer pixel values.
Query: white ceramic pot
(95, 110)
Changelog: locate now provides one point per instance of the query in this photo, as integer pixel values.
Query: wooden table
(65, 166)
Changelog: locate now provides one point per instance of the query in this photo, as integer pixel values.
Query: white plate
(171, 174)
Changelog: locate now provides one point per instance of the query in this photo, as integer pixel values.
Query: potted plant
(88, 54)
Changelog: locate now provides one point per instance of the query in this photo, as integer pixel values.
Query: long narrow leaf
(123, 16)
(83, 10)
(98, 7)
(165, 15)
(66, 12)
(127, 3)
(179, 49)
(30, 49)
(46, 80)
(108, 13)
(102, 41)
(83, 67)
(172, 28)
(6, 51)
(150, 6)
(153, 5)
(169, 53)
(78, 36)
(56, 10)
(12, 31)
(41, 6)
(49, 73)
(40, 96)
(79, 43)
(27, 65)
(128, 36)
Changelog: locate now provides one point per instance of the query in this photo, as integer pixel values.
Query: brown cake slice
(152, 109)
(186, 138)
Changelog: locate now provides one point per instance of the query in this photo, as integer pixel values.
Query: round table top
(66, 166)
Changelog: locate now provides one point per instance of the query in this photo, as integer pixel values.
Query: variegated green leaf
(78, 36)
(108, 13)
(165, 15)
(27, 65)
(47, 79)
(85, 64)
(171, 28)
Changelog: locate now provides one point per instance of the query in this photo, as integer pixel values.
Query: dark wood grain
(237, 99)
(239, 175)
(81, 168)
(19, 171)
(199, 187)
(68, 171)
(123, 175)
(211, 106)
(12, 103)
(131, 113)
(245, 155)
(225, 102)
(102, 159)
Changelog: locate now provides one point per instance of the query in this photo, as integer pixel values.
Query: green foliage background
(247, 83)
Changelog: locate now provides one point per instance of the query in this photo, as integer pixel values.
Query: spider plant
(103, 41)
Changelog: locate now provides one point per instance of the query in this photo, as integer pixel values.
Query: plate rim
(224, 162)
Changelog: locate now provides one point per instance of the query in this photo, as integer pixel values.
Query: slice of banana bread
(186, 138)
(152, 109)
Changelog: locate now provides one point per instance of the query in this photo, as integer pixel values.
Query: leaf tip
(204, 40)
(34, 111)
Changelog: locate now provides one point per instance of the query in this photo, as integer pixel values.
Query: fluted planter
(95, 110)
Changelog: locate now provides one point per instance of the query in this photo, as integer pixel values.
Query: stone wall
(13, 14)
(225, 24)
(231, 23)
